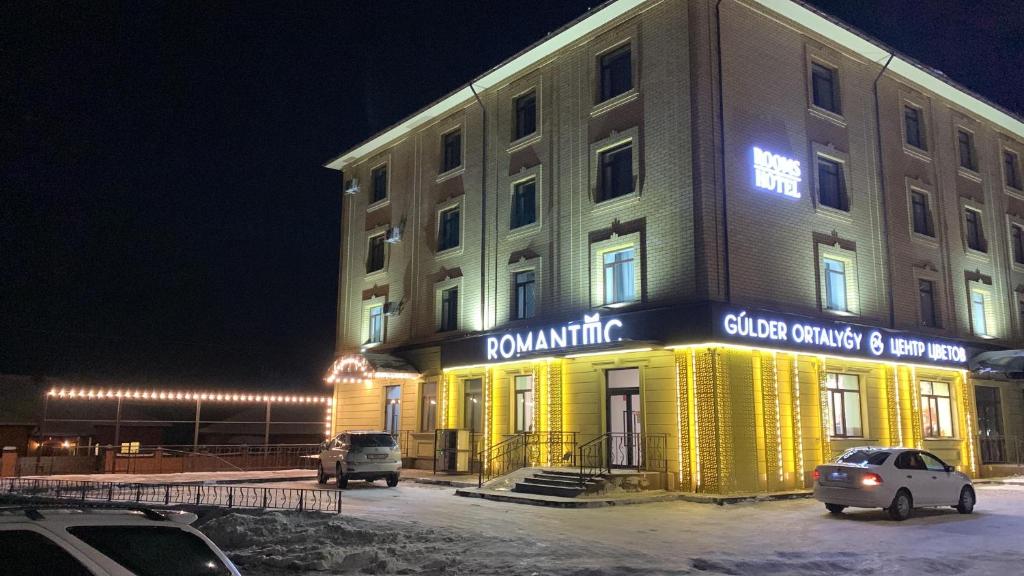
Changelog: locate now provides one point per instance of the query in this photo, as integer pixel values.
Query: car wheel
(835, 508)
(901, 505)
(393, 480)
(966, 504)
(321, 476)
(341, 478)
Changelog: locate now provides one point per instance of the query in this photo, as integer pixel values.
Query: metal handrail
(520, 449)
(1001, 449)
(598, 455)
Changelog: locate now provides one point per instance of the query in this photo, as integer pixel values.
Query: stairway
(564, 483)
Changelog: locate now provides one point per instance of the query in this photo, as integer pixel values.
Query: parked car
(360, 456)
(105, 542)
(894, 479)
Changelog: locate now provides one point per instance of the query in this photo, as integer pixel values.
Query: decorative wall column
(826, 438)
(798, 430)
(770, 418)
(714, 438)
(685, 477)
(967, 413)
(553, 373)
(915, 404)
(892, 398)
(444, 384)
(488, 413)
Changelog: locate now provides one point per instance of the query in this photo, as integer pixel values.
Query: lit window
(392, 409)
(914, 125)
(922, 217)
(380, 183)
(973, 230)
(524, 404)
(472, 405)
(448, 229)
(936, 410)
(130, 447)
(1017, 242)
(823, 87)
(979, 311)
(965, 143)
(926, 296)
(619, 276)
(375, 327)
(375, 254)
(844, 405)
(525, 286)
(1011, 169)
(835, 285)
(615, 172)
(832, 185)
(428, 407)
(524, 203)
(451, 144)
(616, 73)
(526, 115)
(449, 309)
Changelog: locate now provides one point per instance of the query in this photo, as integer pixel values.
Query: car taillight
(871, 479)
(816, 475)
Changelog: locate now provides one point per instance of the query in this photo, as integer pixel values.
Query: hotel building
(721, 241)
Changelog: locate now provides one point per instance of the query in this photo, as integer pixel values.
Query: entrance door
(624, 418)
(990, 424)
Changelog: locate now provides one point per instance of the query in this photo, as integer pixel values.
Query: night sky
(163, 210)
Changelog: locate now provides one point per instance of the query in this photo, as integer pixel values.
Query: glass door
(392, 409)
(990, 424)
(624, 418)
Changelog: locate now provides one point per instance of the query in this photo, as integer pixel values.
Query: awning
(999, 364)
(369, 365)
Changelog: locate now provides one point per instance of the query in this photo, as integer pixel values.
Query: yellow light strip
(679, 424)
(696, 426)
(494, 364)
(778, 416)
(896, 396)
(818, 354)
(970, 430)
(609, 352)
(112, 393)
(798, 433)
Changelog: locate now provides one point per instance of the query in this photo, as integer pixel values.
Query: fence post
(199, 494)
(167, 494)
(301, 494)
(138, 492)
(264, 498)
(231, 496)
(110, 491)
(338, 496)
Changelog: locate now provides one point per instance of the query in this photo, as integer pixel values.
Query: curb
(596, 503)
(443, 482)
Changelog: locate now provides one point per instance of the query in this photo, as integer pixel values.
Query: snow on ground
(419, 529)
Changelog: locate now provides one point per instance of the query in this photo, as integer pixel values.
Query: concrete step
(547, 490)
(573, 472)
(567, 482)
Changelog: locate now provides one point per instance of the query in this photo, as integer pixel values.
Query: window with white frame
(428, 407)
(832, 184)
(615, 171)
(825, 87)
(1011, 170)
(1017, 243)
(965, 149)
(979, 312)
(379, 181)
(913, 125)
(615, 73)
(835, 285)
(921, 214)
(844, 405)
(525, 115)
(936, 409)
(927, 303)
(392, 409)
(619, 276)
(448, 228)
(974, 231)
(449, 309)
(524, 285)
(524, 203)
(524, 408)
(375, 253)
(451, 151)
(375, 324)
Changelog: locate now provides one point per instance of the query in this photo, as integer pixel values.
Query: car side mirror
(323, 446)
(950, 468)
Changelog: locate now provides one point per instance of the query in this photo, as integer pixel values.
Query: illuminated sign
(776, 173)
(592, 331)
(835, 337)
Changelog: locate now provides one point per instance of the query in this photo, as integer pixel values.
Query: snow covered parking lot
(418, 529)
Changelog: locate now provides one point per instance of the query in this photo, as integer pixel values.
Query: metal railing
(621, 450)
(215, 458)
(998, 449)
(224, 496)
(526, 449)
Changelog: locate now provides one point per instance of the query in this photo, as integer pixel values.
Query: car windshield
(373, 441)
(874, 457)
(152, 550)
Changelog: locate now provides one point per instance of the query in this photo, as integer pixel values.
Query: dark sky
(163, 210)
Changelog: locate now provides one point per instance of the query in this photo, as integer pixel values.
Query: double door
(624, 418)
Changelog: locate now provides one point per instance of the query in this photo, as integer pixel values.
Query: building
(720, 240)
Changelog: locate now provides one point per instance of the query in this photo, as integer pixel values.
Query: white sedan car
(894, 479)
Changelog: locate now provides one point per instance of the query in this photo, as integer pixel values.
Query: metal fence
(997, 449)
(224, 496)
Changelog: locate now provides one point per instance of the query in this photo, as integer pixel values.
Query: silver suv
(360, 456)
(105, 542)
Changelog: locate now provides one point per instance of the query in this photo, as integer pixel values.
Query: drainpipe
(881, 187)
(483, 210)
(721, 149)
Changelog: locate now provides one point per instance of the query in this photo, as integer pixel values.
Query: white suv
(105, 542)
(360, 456)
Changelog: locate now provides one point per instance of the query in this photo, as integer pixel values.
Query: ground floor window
(130, 447)
(844, 405)
(392, 408)
(428, 407)
(524, 404)
(473, 404)
(936, 409)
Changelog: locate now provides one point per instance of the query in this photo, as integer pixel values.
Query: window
(835, 285)
(973, 230)
(1011, 170)
(375, 328)
(979, 310)
(130, 447)
(965, 144)
(525, 286)
(380, 183)
(832, 185)
(449, 309)
(524, 404)
(526, 115)
(472, 405)
(844, 405)
(428, 407)
(824, 87)
(615, 172)
(932, 462)
(152, 550)
(936, 409)
(375, 254)
(448, 229)
(616, 73)
(392, 409)
(29, 552)
(451, 144)
(921, 214)
(910, 461)
(524, 203)
(913, 123)
(1017, 242)
(619, 276)
(926, 296)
